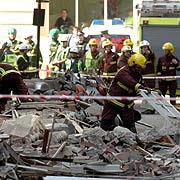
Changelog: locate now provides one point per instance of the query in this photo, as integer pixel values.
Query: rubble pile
(63, 138)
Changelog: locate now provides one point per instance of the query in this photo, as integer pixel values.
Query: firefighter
(33, 52)
(12, 32)
(6, 55)
(23, 59)
(167, 66)
(104, 36)
(54, 44)
(10, 80)
(74, 63)
(128, 42)
(92, 57)
(127, 82)
(62, 55)
(81, 44)
(108, 62)
(148, 71)
(123, 59)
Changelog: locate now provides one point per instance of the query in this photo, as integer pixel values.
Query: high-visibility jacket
(53, 50)
(10, 59)
(22, 62)
(91, 63)
(14, 48)
(33, 57)
(75, 65)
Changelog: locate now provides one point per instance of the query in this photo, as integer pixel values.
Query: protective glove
(174, 61)
(146, 88)
(159, 92)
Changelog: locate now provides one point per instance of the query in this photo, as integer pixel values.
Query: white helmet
(144, 43)
(28, 35)
(23, 47)
(126, 48)
(64, 38)
(74, 50)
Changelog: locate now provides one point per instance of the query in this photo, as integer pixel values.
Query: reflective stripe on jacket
(10, 59)
(3, 72)
(125, 83)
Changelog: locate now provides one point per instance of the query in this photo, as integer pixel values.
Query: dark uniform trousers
(128, 116)
(172, 85)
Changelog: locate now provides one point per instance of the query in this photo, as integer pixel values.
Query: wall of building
(19, 14)
(88, 10)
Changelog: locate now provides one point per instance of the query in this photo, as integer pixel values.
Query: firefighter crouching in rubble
(127, 82)
(167, 66)
(10, 80)
(123, 59)
(92, 57)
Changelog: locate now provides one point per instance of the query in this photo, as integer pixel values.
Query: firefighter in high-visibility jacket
(32, 53)
(6, 55)
(167, 66)
(63, 53)
(74, 63)
(108, 62)
(10, 80)
(92, 56)
(127, 82)
(12, 32)
(23, 59)
(54, 43)
(123, 59)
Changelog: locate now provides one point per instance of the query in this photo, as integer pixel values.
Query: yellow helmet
(93, 42)
(138, 59)
(127, 42)
(106, 43)
(169, 46)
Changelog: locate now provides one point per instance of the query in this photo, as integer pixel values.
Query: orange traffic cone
(47, 71)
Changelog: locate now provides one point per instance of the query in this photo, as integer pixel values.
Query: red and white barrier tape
(150, 77)
(63, 97)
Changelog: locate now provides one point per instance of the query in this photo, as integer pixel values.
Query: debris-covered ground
(63, 138)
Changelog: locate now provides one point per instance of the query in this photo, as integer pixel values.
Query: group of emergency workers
(127, 68)
(20, 54)
(128, 81)
(79, 55)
